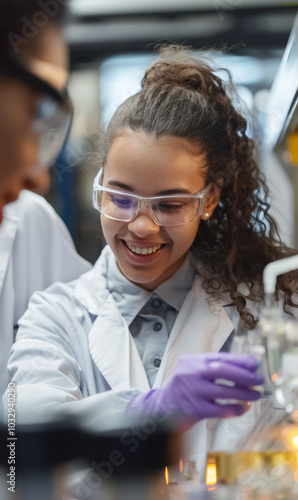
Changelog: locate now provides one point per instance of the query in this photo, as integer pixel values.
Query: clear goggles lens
(171, 210)
(52, 125)
(54, 112)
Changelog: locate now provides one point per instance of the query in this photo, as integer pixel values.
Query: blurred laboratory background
(112, 42)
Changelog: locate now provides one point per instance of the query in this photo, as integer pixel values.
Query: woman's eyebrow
(121, 185)
(173, 191)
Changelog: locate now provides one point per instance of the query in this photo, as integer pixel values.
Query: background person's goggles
(53, 113)
(169, 210)
(52, 125)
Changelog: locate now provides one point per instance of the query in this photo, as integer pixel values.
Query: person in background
(36, 248)
(35, 112)
(149, 329)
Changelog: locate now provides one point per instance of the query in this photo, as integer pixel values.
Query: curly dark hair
(182, 96)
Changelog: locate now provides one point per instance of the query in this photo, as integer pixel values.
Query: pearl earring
(206, 215)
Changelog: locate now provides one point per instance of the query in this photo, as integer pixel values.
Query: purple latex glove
(192, 392)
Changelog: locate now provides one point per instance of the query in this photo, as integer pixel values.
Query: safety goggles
(54, 112)
(168, 210)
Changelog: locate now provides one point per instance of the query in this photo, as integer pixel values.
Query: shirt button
(157, 327)
(157, 362)
(156, 303)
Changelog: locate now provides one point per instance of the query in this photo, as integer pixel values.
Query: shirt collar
(130, 298)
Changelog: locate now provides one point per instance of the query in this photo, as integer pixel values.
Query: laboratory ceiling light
(120, 7)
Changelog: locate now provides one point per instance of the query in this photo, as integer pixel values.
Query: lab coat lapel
(114, 350)
(199, 327)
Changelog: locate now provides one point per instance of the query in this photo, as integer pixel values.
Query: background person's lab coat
(74, 354)
(36, 250)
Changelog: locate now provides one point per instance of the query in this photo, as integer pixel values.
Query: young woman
(184, 213)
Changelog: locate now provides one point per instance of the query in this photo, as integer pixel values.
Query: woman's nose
(143, 224)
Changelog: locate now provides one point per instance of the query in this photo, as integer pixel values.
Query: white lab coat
(65, 363)
(36, 250)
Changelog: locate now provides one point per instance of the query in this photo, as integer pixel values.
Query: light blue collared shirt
(151, 315)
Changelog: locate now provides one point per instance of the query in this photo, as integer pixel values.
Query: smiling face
(148, 254)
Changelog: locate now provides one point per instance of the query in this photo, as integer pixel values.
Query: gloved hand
(192, 392)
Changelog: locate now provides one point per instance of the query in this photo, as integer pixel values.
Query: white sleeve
(51, 367)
